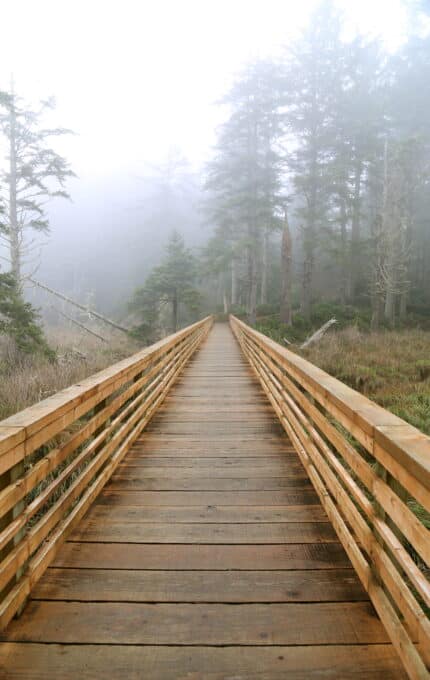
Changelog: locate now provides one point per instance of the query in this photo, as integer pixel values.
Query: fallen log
(89, 311)
(81, 325)
(318, 334)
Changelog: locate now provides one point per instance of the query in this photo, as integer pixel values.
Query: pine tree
(312, 77)
(245, 176)
(172, 282)
(18, 319)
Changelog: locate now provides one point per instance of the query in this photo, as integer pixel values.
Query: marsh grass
(27, 379)
(390, 367)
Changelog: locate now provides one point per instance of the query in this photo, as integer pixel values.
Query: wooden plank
(217, 449)
(194, 624)
(138, 532)
(134, 478)
(201, 463)
(220, 471)
(88, 662)
(312, 556)
(230, 514)
(219, 498)
(104, 585)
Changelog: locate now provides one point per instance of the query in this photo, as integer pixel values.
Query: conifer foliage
(336, 133)
(170, 285)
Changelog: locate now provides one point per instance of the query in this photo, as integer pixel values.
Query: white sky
(133, 78)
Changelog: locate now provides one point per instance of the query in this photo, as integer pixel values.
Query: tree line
(319, 185)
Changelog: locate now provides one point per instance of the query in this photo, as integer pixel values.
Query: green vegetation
(18, 320)
(390, 367)
(171, 283)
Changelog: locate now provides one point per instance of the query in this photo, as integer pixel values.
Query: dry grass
(390, 367)
(25, 380)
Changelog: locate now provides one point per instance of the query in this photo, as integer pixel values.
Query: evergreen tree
(171, 283)
(18, 319)
(244, 178)
(313, 73)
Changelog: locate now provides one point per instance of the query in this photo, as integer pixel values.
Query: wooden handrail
(367, 467)
(56, 456)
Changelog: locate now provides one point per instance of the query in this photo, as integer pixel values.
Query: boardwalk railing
(371, 470)
(56, 456)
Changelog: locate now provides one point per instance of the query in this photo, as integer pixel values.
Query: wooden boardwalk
(207, 555)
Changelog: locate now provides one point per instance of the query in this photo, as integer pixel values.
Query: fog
(140, 84)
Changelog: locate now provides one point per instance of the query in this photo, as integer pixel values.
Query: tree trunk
(403, 306)
(285, 312)
(354, 271)
(223, 292)
(175, 311)
(305, 304)
(233, 282)
(15, 237)
(252, 295)
(380, 237)
(309, 246)
(390, 307)
(376, 283)
(264, 267)
(225, 302)
(344, 255)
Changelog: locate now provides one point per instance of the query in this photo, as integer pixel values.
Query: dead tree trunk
(91, 312)
(80, 325)
(285, 311)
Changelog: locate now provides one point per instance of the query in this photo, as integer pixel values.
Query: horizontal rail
(56, 456)
(370, 470)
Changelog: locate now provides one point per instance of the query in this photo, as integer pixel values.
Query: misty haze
(215, 339)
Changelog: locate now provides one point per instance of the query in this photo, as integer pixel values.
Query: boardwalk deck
(207, 555)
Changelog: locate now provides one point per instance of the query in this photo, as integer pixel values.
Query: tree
(170, 283)
(18, 319)
(244, 178)
(312, 76)
(35, 174)
(286, 274)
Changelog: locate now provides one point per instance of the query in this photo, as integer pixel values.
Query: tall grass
(26, 379)
(390, 367)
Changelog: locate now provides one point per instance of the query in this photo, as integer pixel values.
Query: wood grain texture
(199, 624)
(208, 555)
(202, 556)
(157, 532)
(143, 499)
(91, 662)
(105, 585)
(206, 514)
